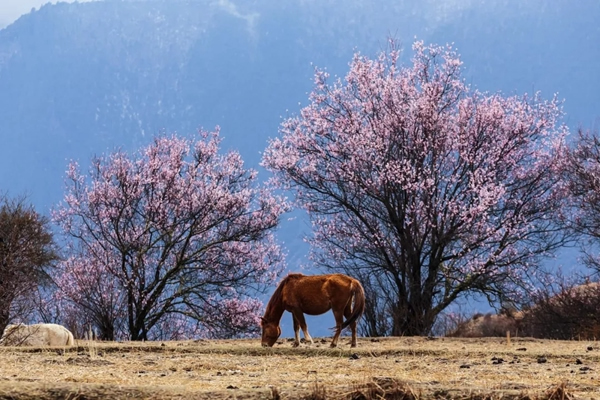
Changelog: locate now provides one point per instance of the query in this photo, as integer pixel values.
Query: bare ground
(393, 368)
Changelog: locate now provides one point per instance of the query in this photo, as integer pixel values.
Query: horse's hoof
(296, 344)
(333, 345)
(353, 345)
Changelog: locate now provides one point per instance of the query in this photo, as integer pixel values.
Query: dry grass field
(391, 368)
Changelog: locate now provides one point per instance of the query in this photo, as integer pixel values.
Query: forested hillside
(81, 79)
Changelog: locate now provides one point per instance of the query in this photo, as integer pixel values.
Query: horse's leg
(296, 331)
(339, 318)
(299, 315)
(347, 313)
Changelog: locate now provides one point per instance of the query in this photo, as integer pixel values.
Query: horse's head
(270, 332)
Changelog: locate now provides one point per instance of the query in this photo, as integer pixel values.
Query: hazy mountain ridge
(78, 79)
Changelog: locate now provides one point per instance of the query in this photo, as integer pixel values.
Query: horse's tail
(359, 303)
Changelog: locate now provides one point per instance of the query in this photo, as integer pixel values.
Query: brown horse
(313, 295)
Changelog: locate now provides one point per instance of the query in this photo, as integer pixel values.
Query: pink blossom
(422, 184)
(156, 234)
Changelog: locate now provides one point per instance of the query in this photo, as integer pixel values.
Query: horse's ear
(263, 320)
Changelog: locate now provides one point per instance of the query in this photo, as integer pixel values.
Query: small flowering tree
(90, 295)
(176, 232)
(582, 171)
(423, 188)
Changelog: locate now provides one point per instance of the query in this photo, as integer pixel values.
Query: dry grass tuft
(383, 388)
(559, 392)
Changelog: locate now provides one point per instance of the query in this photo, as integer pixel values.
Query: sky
(11, 10)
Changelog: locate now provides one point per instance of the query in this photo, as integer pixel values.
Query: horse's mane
(277, 296)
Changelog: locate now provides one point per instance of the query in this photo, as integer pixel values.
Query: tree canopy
(175, 238)
(27, 254)
(582, 172)
(421, 186)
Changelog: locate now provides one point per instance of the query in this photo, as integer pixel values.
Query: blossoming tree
(176, 232)
(424, 188)
(582, 171)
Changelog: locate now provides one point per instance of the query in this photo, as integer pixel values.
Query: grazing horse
(313, 295)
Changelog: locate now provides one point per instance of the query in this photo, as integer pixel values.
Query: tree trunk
(4, 319)
(412, 321)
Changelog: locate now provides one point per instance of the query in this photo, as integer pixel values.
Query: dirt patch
(79, 360)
